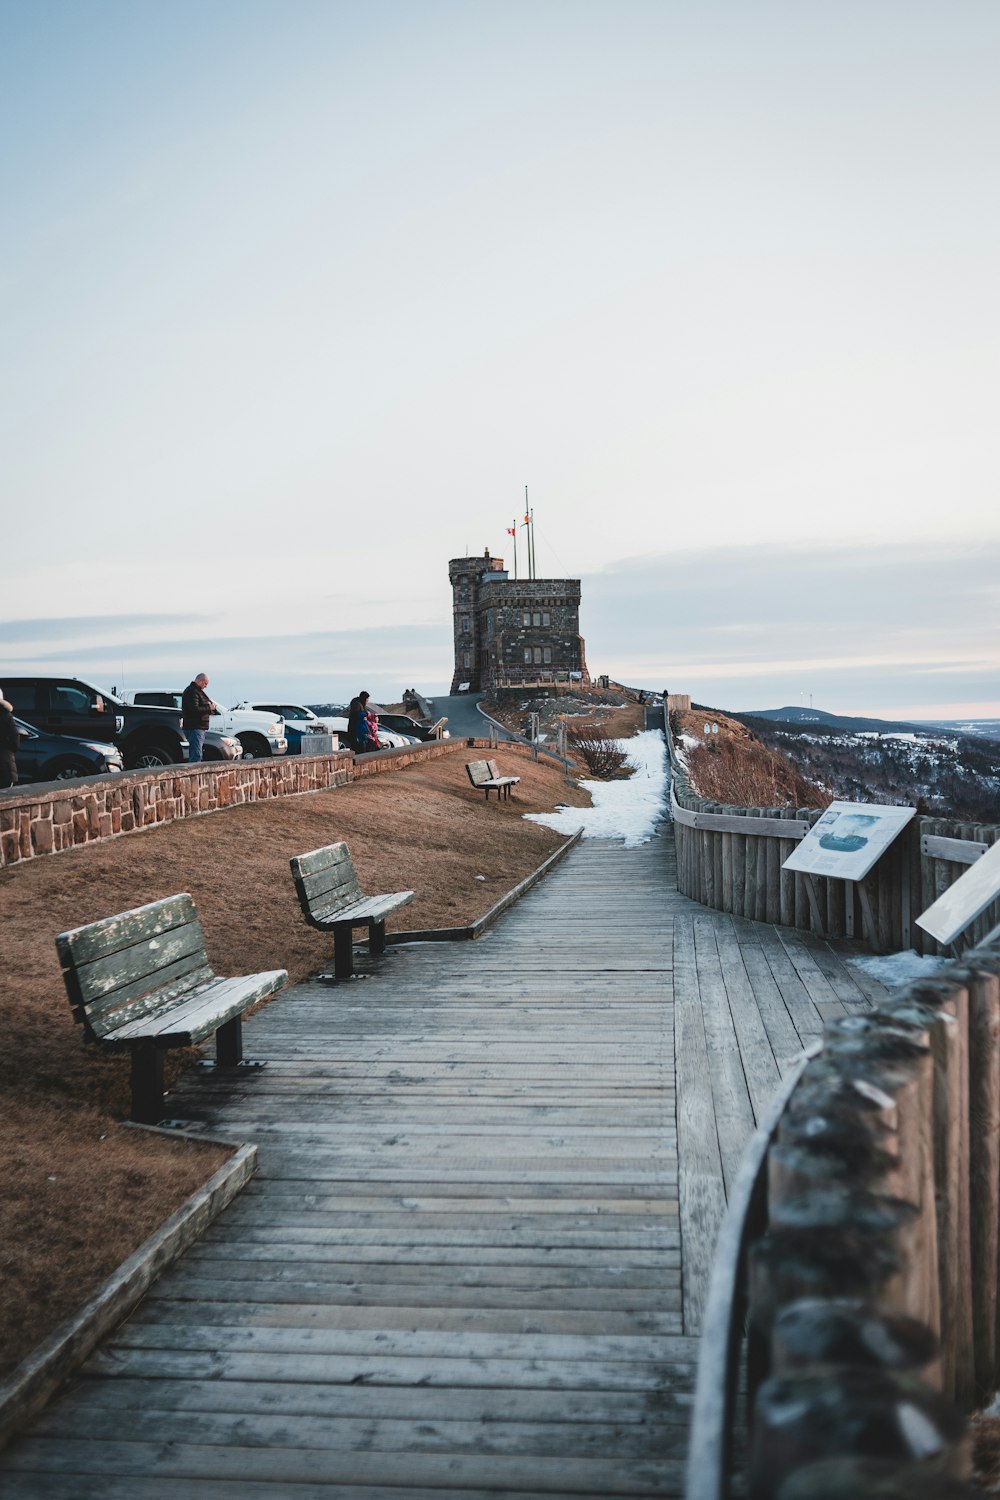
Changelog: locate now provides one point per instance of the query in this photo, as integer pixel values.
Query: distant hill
(804, 717)
(984, 729)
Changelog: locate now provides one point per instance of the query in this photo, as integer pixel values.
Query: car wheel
(69, 770)
(255, 746)
(151, 758)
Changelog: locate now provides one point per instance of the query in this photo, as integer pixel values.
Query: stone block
(41, 836)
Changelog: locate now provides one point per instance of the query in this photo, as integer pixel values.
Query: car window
(67, 698)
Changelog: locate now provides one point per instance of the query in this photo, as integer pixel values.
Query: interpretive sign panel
(848, 839)
(963, 902)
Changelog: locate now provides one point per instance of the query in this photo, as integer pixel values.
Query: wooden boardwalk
(474, 1260)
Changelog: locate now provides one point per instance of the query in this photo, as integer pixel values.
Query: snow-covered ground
(893, 969)
(628, 810)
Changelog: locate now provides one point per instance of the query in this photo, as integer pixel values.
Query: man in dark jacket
(197, 709)
(357, 713)
(9, 742)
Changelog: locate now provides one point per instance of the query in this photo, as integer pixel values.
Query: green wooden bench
(485, 774)
(142, 981)
(331, 899)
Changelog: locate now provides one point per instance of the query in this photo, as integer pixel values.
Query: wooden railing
(731, 858)
(853, 1308)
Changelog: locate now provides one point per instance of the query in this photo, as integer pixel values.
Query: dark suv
(66, 705)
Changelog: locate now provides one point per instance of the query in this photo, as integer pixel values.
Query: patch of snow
(690, 741)
(893, 969)
(628, 810)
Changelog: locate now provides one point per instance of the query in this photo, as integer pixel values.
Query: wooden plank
(97, 939)
(702, 1197)
(733, 1110)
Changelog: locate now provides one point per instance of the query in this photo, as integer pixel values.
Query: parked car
(220, 747)
(388, 739)
(298, 720)
(145, 735)
(403, 724)
(259, 734)
(58, 757)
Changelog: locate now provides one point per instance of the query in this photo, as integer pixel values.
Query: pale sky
(296, 297)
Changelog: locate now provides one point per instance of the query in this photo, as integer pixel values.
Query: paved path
(471, 1263)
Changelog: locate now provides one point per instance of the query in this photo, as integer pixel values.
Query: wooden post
(939, 1008)
(750, 880)
(786, 879)
(772, 884)
(984, 1167)
(872, 1037)
(726, 873)
(739, 873)
(760, 905)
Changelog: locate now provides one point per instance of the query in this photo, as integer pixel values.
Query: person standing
(356, 715)
(197, 709)
(9, 742)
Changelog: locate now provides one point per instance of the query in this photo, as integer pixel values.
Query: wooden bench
(142, 981)
(331, 900)
(486, 774)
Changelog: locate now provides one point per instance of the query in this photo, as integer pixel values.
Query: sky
(297, 297)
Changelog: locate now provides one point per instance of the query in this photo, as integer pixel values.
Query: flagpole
(531, 546)
(515, 551)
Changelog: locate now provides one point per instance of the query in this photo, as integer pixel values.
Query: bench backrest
(125, 967)
(479, 771)
(495, 770)
(325, 879)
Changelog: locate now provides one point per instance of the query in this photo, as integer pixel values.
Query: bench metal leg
(343, 951)
(229, 1043)
(147, 1084)
(376, 937)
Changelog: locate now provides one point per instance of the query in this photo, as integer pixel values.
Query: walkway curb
(36, 1379)
(479, 926)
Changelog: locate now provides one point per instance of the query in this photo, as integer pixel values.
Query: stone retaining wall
(37, 820)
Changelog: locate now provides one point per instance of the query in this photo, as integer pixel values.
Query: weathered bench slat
(367, 909)
(196, 1016)
(103, 1018)
(337, 905)
(82, 945)
(332, 883)
(331, 856)
(141, 980)
(131, 970)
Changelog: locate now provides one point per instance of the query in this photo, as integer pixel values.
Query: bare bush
(602, 755)
(744, 773)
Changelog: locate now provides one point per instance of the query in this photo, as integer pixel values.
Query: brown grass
(734, 768)
(79, 1191)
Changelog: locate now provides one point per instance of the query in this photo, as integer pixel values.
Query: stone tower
(510, 632)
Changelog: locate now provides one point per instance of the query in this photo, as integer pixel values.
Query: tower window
(547, 653)
(536, 618)
(465, 625)
(527, 655)
(546, 617)
(538, 656)
(526, 620)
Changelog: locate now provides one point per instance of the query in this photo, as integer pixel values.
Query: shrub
(602, 755)
(744, 773)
